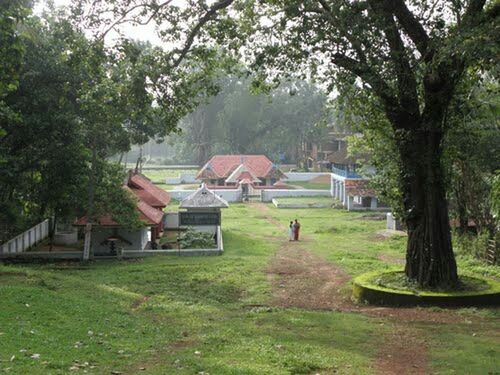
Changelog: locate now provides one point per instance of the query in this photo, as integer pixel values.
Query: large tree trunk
(429, 255)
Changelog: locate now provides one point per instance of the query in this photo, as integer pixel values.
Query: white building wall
(138, 238)
(304, 176)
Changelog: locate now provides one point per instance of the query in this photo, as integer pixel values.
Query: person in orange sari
(296, 231)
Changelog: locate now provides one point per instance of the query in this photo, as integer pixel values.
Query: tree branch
(209, 15)
(406, 81)
(379, 86)
(123, 19)
(412, 27)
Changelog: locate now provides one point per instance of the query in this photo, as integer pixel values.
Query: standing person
(291, 234)
(296, 231)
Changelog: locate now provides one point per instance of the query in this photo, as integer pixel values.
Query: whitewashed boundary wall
(26, 239)
(305, 176)
(230, 195)
(268, 195)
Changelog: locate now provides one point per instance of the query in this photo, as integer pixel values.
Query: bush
(471, 244)
(192, 239)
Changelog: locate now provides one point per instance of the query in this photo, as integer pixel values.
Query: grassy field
(216, 315)
(307, 200)
(310, 185)
(158, 175)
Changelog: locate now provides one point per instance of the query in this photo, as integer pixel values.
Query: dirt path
(301, 279)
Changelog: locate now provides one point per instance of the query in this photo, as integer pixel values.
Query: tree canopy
(408, 56)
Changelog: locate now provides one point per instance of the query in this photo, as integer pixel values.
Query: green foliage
(112, 199)
(239, 122)
(193, 239)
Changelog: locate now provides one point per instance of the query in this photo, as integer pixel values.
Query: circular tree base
(373, 288)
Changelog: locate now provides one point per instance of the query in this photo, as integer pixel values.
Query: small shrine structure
(201, 210)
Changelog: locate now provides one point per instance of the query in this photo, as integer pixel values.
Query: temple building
(108, 235)
(246, 171)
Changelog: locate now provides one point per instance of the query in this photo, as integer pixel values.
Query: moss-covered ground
(178, 315)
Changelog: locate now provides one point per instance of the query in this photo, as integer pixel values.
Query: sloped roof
(148, 214)
(221, 166)
(359, 188)
(150, 200)
(147, 191)
(203, 197)
(242, 173)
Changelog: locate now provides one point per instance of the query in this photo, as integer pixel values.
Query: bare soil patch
(404, 352)
(300, 279)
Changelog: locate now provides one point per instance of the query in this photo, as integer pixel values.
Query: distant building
(329, 152)
(108, 235)
(247, 171)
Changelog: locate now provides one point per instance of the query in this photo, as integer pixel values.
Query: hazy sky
(140, 32)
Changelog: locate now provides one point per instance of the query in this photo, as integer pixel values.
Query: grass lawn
(310, 185)
(158, 175)
(306, 200)
(176, 315)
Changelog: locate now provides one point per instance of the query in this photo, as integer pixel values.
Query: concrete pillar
(350, 203)
(344, 195)
(373, 203)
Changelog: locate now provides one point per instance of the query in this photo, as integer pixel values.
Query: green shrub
(471, 244)
(192, 239)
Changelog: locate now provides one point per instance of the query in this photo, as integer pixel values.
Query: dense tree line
(237, 121)
(67, 103)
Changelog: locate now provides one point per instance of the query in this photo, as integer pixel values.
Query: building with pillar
(352, 191)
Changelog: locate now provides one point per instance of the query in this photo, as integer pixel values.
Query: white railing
(26, 239)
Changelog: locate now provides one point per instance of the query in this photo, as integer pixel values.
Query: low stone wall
(182, 252)
(30, 256)
(268, 195)
(230, 195)
(305, 176)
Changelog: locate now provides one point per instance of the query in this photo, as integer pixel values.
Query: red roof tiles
(148, 192)
(223, 165)
(150, 202)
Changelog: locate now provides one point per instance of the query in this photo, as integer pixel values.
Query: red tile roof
(223, 165)
(148, 214)
(148, 192)
(150, 202)
(359, 188)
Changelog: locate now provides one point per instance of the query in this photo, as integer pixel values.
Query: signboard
(199, 218)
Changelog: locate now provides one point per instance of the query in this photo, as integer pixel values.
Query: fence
(344, 173)
(27, 239)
